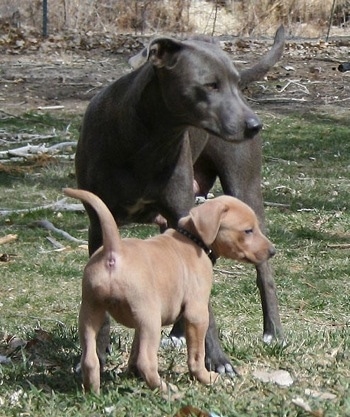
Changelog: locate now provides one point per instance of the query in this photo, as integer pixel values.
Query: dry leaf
(299, 402)
(173, 393)
(5, 257)
(190, 411)
(14, 342)
(279, 377)
(320, 395)
(42, 335)
(8, 239)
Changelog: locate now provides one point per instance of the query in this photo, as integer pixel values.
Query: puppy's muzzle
(272, 251)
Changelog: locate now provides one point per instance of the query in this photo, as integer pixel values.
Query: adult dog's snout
(252, 126)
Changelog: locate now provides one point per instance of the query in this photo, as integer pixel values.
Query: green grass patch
(306, 186)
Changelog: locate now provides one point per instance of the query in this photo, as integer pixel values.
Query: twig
(295, 82)
(55, 243)
(306, 210)
(338, 245)
(223, 271)
(10, 115)
(49, 226)
(272, 204)
(50, 107)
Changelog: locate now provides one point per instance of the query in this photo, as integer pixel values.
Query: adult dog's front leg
(215, 358)
(269, 303)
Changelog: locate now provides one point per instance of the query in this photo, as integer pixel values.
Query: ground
(35, 74)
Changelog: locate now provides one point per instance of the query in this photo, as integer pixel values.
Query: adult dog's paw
(173, 342)
(217, 361)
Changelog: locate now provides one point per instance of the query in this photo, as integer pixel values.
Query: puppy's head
(231, 228)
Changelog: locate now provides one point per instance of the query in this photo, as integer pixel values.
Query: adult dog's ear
(207, 219)
(163, 52)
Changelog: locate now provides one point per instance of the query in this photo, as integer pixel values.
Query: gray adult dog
(136, 151)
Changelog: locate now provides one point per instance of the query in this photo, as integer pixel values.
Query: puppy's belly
(166, 312)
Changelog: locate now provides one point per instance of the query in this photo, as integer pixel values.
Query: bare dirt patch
(55, 74)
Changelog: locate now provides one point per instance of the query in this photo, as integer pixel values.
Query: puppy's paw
(205, 377)
(213, 377)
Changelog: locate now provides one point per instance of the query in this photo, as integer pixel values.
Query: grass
(305, 170)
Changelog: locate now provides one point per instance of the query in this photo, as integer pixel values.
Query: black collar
(198, 242)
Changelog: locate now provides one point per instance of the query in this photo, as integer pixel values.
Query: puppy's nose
(272, 251)
(252, 126)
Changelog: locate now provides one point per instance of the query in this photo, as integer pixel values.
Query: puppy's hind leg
(135, 348)
(90, 322)
(147, 339)
(103, 340)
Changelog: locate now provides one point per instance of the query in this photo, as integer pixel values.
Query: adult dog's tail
(110, 231)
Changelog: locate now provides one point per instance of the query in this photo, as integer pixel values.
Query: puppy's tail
(110, 231)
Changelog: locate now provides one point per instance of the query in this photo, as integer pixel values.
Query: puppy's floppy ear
(163, 52)
(207, 218)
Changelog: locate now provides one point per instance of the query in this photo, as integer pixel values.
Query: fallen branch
(279, 100)
(29, 150)
(45, 224)
(7, 137)
(60, 205)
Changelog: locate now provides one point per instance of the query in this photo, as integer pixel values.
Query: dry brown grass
(301, 17)
(309, 18)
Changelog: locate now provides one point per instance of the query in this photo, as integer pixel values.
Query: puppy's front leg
(90, 322)
(195, 336)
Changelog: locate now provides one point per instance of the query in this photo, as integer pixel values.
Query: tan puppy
(146, 284)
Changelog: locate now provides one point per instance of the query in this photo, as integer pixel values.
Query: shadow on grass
(47, 361)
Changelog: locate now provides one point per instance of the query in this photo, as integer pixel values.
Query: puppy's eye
(248, 231)
(212, 86)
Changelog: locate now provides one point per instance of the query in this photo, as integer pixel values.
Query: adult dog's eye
(212, 86)
(248, 231)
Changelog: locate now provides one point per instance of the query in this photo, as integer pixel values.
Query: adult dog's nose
(252, 126)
